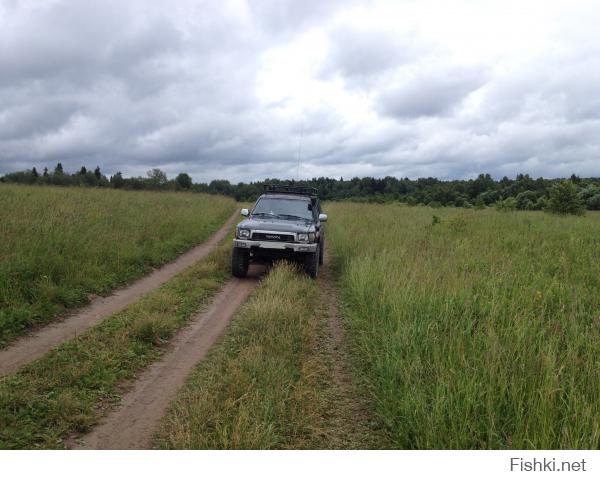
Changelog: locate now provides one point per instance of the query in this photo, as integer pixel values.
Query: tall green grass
(481, 331)
(59, 245)
(67, 391)
(266, 385)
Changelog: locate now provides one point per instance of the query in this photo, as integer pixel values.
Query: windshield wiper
(294, 216)
(264, 214)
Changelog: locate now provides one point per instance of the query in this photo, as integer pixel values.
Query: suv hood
(278, 225)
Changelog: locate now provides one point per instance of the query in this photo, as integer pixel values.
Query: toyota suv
(285, 222)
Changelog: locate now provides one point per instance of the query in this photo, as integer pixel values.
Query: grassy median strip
(66, 391)
(267, 384)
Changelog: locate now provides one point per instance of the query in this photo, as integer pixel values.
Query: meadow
(462, 328)
(58, 246)
(67, 391)
(472, 328)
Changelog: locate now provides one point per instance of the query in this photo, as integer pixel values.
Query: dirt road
(133, 423)
(37, 344)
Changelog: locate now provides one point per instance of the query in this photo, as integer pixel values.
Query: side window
(316, 210)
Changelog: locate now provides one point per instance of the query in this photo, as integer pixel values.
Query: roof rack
(291, 189)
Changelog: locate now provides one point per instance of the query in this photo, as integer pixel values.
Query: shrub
(565, 200)
(526, 200)
(541, 204)
(460, 201)
(591, 197)
(593, 203)
(507, 205)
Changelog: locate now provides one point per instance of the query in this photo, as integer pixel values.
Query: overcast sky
(242, 89)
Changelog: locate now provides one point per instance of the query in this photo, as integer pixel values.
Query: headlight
(243, 233)
(306, 237)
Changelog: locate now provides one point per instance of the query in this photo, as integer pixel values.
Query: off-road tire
(240, 258)
(321, 251)
(311, 263)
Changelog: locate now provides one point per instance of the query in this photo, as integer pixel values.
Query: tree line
(520, 193)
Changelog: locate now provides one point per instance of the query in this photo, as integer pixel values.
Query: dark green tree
(58, 170)
(34, 173)
(157, 177)
(221, 186)
(575, 179)
(184, 181)
(97, 173)
(565, 200)
(117, 180)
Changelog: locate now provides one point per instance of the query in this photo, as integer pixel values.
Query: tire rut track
(133, 423)
(351, 421)
(38, 343)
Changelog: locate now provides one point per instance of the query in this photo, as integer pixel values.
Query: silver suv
(285, 222)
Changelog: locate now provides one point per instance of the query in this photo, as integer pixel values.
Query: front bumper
(296, 247)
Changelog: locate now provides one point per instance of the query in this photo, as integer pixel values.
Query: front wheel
(311, 263)
(321, 251)
(240, 258)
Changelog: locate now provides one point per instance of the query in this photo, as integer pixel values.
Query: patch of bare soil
(38, 343)
(132, 424)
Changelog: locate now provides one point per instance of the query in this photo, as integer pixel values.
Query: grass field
(59, 245)
(67, 390)
(265, 385)
(481, 330)
(462, 328)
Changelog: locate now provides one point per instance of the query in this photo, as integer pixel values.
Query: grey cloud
(430, 93)
(284, 16)
(358, 54)
(45, 40)
(25, 119)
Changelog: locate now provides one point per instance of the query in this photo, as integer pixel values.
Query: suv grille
(273, 237)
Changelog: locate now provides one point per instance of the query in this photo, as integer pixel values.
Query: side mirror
(244, 212)
(322, 217)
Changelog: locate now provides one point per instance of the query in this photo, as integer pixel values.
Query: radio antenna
(300, 147)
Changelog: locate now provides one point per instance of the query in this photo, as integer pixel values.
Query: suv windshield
(283, 207)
